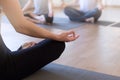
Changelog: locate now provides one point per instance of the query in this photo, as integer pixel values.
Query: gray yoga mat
(104, 23)
(66, 24)
(63, 23)
(60, 72)
(116, 25)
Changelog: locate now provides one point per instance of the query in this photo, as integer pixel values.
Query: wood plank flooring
(97, 49)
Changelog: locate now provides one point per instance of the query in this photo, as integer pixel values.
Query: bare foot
(90, 20)
(28, 45)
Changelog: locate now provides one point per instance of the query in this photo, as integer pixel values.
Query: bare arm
(100, 5)
(28, 6)
(22, 25)
(50, 8)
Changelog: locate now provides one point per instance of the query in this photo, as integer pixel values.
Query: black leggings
(22, 63)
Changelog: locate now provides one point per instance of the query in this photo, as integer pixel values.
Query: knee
(53, 48)
(59, 47)
(67, 9)
(62, 46)
(49, 19)
(28, 15)
(97, 16)
(98, 12)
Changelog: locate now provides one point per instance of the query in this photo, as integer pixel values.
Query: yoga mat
(63, 23)
(104, 23)
(116, 25)
(66, 24)
(60, 72)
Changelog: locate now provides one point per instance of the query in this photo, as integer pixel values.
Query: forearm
(100, 4)
(50, 7)
(35, 31)
(28, 6)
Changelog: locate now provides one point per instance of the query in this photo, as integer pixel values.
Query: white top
(0, 20)
(41, 6)
(86, 5)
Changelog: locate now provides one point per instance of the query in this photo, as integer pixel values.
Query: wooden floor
(97, 49)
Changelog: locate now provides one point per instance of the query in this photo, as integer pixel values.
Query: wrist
(56, 37)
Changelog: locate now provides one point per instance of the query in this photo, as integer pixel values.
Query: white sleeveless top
(0, 20)
(86, 5)
(40, 6)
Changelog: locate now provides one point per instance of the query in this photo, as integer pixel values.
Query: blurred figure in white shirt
(42, 11)
(90, 11)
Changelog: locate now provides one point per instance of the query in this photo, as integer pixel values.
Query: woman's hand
(67, 36)
(28, 45)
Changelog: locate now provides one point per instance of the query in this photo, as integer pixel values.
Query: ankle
(90, 20)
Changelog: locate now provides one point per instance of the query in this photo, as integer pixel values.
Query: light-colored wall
(112, 2)
(22, 2)
(57, 3)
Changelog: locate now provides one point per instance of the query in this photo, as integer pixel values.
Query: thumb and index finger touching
(73, 35)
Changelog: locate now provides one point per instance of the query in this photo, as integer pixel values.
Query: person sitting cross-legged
(42, 11)
(90, 11)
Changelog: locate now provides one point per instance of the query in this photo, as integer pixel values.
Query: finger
(72, 38)
(33, 44)
(77, 36)
(70, 32)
